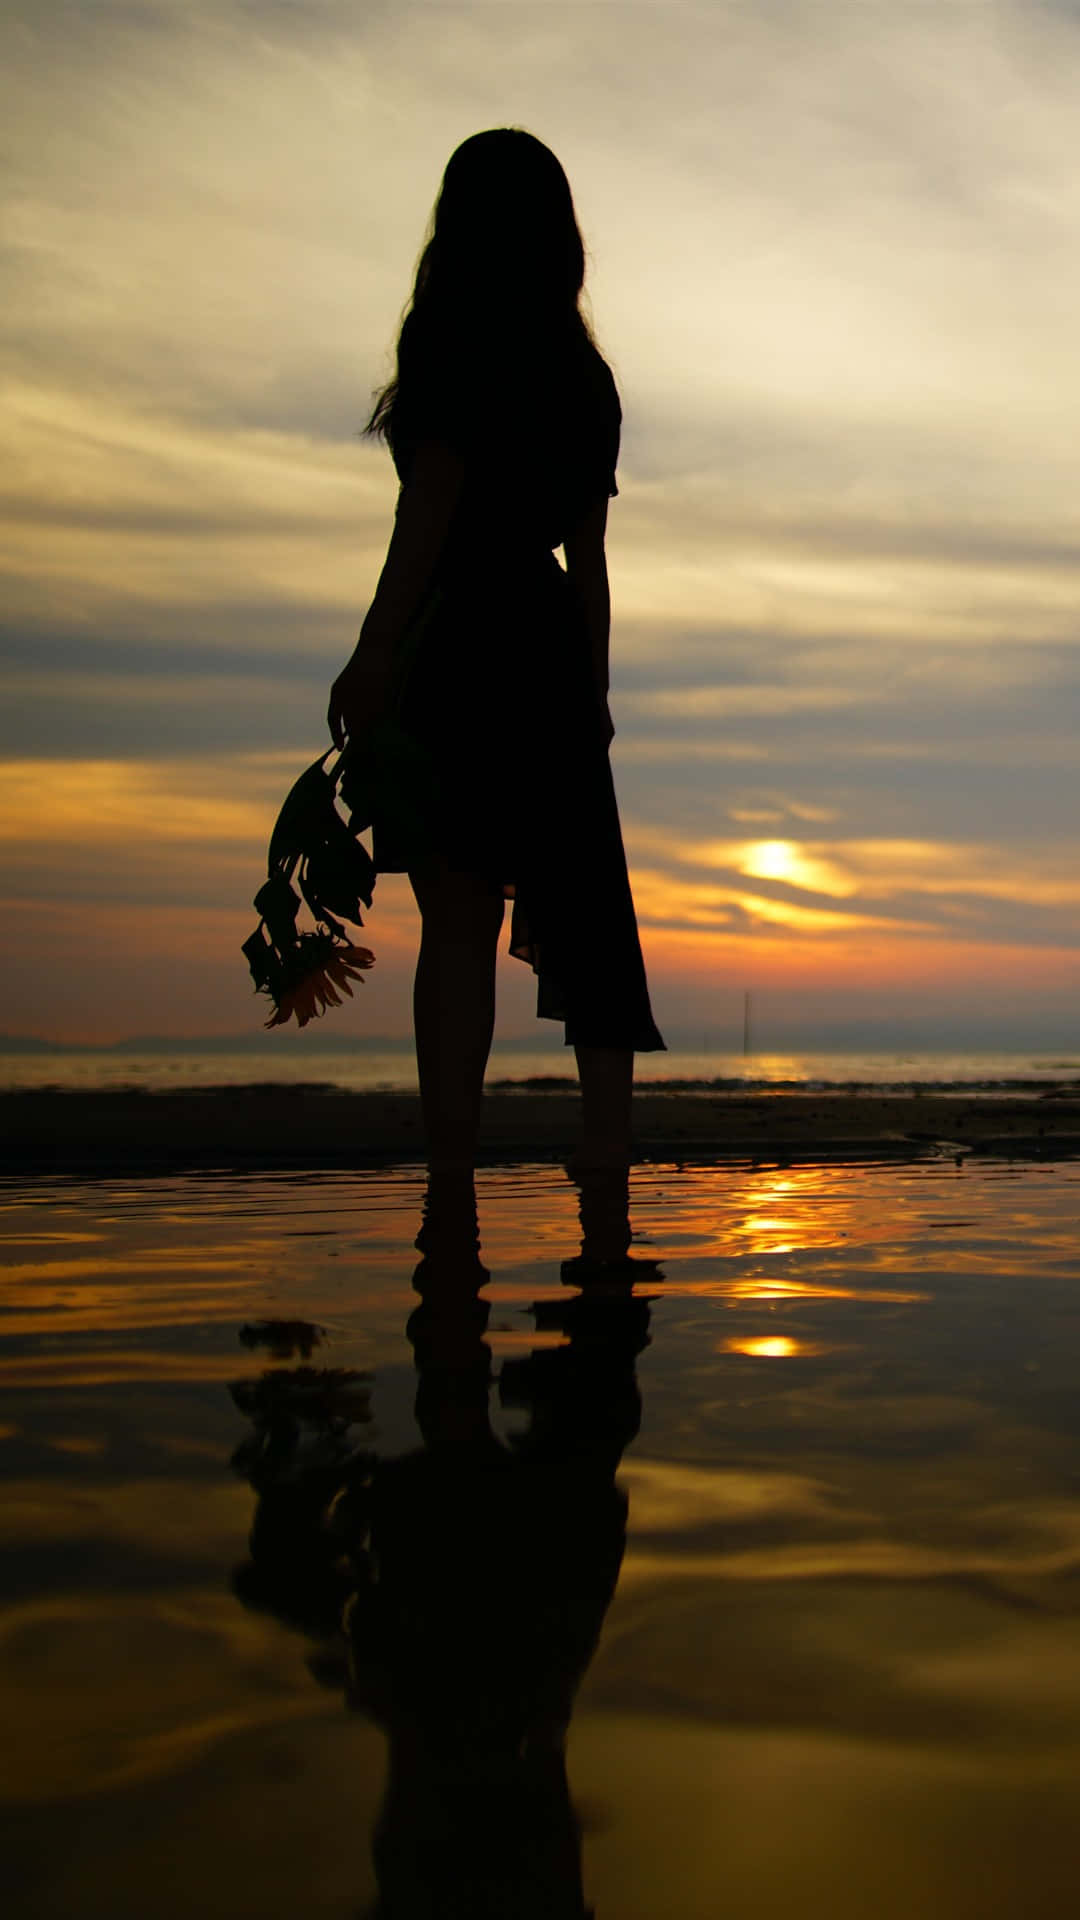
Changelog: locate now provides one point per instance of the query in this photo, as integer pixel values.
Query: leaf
(279, 904)
(304, 810)
(259, 955)
(356, 787)
(327, 885)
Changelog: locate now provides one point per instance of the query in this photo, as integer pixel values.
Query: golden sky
(833, 264)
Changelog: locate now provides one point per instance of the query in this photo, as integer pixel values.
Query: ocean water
(711, 1548)
(297, 1058)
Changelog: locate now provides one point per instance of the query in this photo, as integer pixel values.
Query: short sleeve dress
(500, 696)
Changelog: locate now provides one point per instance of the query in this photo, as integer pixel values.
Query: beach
(313, 1125)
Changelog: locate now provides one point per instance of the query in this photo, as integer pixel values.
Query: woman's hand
(360, 694)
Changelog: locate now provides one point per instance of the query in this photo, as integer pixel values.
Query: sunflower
(316, 990)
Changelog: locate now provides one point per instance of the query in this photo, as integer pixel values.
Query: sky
(833, 264)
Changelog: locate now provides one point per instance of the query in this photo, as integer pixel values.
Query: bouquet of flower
(305, 971)
(386, 774)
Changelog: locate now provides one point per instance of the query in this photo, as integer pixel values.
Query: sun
(771, 860)
(796, 866)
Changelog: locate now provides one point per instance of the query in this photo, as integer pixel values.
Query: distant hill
(205, 1043)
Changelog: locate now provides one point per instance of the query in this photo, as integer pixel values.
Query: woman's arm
(586, 565)
(425, 509)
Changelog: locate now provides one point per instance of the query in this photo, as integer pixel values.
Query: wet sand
(280, 1126)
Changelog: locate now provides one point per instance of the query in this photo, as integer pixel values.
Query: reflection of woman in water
(472, 1575)
(503, 421)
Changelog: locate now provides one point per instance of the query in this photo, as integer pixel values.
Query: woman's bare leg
(454, 1005)
(607, 1079)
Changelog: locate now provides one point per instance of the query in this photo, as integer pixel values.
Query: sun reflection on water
(773, 1347)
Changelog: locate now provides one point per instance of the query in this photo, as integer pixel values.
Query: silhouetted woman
(503, 422)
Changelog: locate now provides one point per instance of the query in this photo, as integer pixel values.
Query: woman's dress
(500, 694)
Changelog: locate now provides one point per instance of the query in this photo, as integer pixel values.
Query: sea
(293, 1061)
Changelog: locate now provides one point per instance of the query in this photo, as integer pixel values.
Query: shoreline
(277, 1126)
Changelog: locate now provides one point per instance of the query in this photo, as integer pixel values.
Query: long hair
(499, 282)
